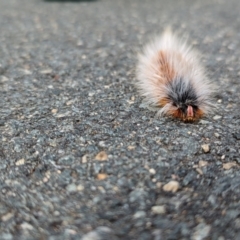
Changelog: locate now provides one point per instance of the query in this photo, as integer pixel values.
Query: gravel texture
(80, 157)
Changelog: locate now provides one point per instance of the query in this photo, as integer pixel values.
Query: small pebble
(172, 186)
(84, 158)
(217, 117)
(199, 171)
(66, 160)
(101, 144)
(71, 188)
(56, 213)
(139, 214)
(65, 114)
(99, 233)
(206, 148)
(4, 79)
(46, 71)
(229, 165)
(201, 231)
(217, 135)
(90, 94)
(20, 162)
(54, 110)
(80, 188)
(7, 216)
(102, 176)
(26, 226)
(202, 163)
(101, 156)
(204, 122)
(158, 209)
(70, 232)
(152, 171)
(26, 72)
(91, 236)
(70, 102)
(131, 147)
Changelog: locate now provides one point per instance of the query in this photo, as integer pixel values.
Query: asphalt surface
(80, 157)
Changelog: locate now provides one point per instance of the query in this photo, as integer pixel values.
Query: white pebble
(158, 209)
(152, 171)
(201, 231)
(216, 135)
(20, 162)
(206, 148)
(172, 186)
(139, 214)
(217, 117)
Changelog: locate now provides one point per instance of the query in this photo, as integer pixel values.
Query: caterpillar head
(187, 112)
(182, 101)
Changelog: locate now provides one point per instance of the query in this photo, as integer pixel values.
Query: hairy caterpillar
(170, 76)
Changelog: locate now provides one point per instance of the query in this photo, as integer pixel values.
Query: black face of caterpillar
(183, 96)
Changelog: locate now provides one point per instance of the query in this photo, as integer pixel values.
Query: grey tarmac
(80, 158)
